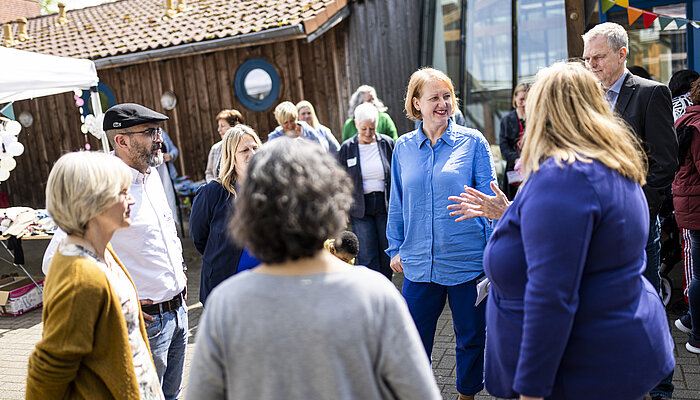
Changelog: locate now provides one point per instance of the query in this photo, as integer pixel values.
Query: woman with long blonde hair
(212, 207)
(569, 314)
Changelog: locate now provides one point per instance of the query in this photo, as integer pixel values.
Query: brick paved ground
(19, 334)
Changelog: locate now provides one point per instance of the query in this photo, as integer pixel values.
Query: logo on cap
(116, 124)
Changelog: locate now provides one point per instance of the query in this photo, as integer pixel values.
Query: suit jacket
(349, 153)
(646, 106)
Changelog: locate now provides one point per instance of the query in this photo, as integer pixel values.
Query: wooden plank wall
(55, 131)
(203, 85)
(382, 51)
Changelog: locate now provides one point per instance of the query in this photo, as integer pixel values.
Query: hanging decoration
(648, 17)
(9, 146)
(90, 123)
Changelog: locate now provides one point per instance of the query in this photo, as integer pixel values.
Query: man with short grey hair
(646, 106)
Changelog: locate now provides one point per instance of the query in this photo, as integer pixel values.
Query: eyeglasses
(155, 133)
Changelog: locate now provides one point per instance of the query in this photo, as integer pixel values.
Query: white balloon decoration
(8, 139)
(8, 164)
(16, 149)
(4, 174)
(13, 127)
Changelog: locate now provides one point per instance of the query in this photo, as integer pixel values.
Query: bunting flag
(8, 111)
(607, 4)
(681, 22)
(633, 14)
(648, 17)
(664, 21)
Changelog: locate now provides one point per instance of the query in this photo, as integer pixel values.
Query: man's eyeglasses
(155, 133)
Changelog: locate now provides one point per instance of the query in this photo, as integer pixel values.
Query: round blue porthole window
(107, 99)
(257, 84)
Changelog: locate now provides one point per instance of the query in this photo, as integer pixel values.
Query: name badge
(352, 162)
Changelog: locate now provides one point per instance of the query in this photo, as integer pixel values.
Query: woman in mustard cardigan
(94, 342)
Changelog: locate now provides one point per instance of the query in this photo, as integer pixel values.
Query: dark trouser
(371, 233)
(694, 287)
(426, 302)
(653, 250)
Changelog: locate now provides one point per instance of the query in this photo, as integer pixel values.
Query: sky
(75, 4)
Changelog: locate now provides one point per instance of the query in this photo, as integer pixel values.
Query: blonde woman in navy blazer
(569, 314)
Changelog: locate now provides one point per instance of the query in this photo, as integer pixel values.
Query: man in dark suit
(646, 106)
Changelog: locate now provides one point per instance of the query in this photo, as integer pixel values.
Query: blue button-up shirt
(307, 132)
(613, 93)
(432, 246)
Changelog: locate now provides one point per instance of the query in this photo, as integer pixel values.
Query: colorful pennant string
(648, 17)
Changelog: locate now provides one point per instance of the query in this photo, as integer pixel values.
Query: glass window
(446, 41)
(488, 78)
(256, 84)
(661, 53)
(541, 36)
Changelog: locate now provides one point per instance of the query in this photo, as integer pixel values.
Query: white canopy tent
(26, 75)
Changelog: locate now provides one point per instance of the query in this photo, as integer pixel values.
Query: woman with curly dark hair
(304, 325)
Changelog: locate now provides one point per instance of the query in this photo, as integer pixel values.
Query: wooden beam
(575, 26)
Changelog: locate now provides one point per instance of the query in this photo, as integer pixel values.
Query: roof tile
(127, 26)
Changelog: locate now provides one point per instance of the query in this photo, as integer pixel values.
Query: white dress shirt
(150, 248)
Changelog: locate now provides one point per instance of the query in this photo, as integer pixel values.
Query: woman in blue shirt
(213, 205)
(569, 314)
(441, 259)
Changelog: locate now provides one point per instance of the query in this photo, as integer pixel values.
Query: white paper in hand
(482, 290)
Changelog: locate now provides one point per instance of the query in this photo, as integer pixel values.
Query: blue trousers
(370, 230)
(167, 336)
(426, 302)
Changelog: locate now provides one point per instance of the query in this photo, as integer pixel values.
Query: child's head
(345, 247)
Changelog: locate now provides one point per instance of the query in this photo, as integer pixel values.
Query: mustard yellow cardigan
(84, 352)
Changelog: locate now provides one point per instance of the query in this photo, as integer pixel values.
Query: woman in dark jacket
(510, 139)
(367, 158)
(686, 202)
(212, 207)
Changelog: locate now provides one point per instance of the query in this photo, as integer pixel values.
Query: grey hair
(615, 35)
(366, 112)
(356, 99)
(294, 198)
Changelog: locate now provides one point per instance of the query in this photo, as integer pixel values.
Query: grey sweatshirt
(344, 335)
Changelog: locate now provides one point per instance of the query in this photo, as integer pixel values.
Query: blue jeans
(371, 233)
(426, 302)
(167, 336)
(694, 287)
(653, 250)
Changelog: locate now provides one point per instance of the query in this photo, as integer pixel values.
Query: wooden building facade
(367, 44)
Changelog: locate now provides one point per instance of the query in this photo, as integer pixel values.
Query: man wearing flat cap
(150, 248)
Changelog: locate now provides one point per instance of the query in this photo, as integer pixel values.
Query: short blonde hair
(82, 185)
(227, 168)
(415, 89)
(284, 111)
(568, 119)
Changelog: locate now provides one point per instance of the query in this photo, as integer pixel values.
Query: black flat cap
(127, 115)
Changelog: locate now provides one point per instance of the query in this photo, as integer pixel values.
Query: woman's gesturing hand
(474, 203)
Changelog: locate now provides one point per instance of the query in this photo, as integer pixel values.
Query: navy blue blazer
(349, 158)
(211, 209)
(569, 314)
